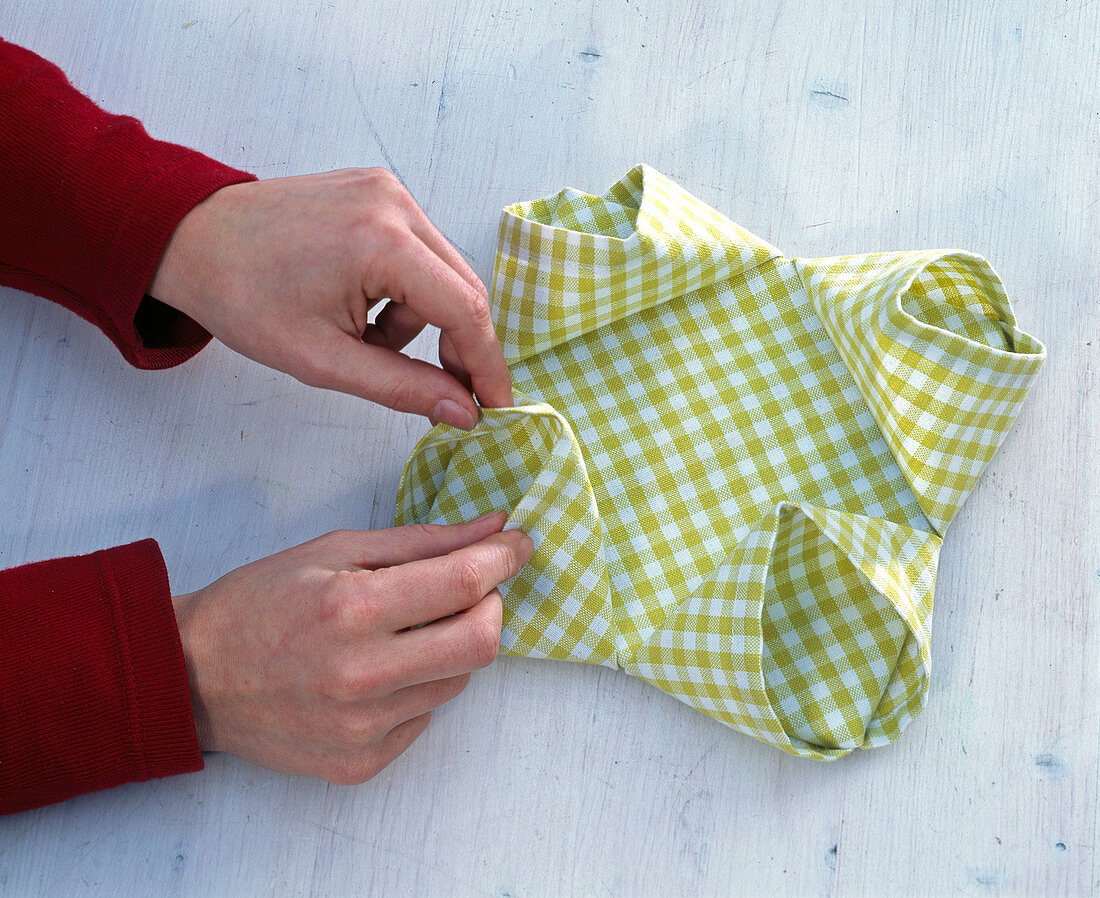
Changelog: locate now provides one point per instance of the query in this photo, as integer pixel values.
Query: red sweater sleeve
(87, 203)
(93, 686)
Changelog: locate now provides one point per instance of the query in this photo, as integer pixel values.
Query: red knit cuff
(89, 201)
(149, 333)
(163, 723)
(93, 686)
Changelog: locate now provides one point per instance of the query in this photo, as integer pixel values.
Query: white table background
(826, 128)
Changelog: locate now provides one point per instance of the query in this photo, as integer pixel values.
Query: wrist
(189, 258)
(167, 284)
(184, 607)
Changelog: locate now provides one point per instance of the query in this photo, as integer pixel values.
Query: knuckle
(336, 540)
(499, 559)
(421, 532)
(368, 180)
(483, 295)
(396, 238)
(398, 393)
(351, 770)
(380, 176)
(505, 556)
(346, 730)
(342, 688)
(350, 605)
(347, 618)
(353, 729)
(386, 181)
(383, 241)
(478, 311)
(466, 578)
(484, 641)
(352, 681)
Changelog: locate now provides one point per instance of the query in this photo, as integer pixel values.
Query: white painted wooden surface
(825, 127)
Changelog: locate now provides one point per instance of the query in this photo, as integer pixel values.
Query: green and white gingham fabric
(736, 467)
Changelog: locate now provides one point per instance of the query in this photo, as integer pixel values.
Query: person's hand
(312, 662)
(285, 272)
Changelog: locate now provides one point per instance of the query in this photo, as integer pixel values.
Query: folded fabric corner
(574, 262)
(525, 460)
(813, 635)
(932, 341)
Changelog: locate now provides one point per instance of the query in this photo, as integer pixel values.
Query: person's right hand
(286, 272)
(311, 661)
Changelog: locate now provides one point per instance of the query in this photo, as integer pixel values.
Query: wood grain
(825, 127)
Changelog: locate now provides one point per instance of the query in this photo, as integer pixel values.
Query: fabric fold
(813, 634)
(576, 262)
(527, 461)
(932, 341)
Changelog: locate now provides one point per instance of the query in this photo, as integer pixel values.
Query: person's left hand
(286, 271)
(327, 659)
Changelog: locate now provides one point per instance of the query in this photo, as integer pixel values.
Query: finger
(391, 379)
(395, 327)
(413, 701)
(450, 362)
(459, 644)
(372, 549)
(423, 227)
(442, 297)
(434, 588)
(403, 735)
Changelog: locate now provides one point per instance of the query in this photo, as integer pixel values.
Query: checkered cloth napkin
(736, 467)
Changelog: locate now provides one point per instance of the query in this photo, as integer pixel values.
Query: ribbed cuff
(150, 334)
(163, 726)
(93, 685)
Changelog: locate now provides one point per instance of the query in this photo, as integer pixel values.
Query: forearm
(87, 205)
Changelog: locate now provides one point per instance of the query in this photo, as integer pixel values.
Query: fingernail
(447, 411)
(526, 548)
(489, 514)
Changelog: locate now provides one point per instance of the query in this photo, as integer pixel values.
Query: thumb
(382, 375)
